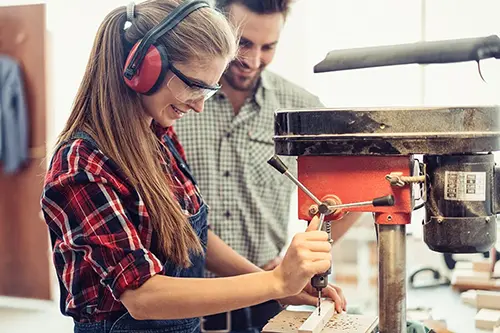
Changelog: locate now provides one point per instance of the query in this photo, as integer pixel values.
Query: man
(228, 146)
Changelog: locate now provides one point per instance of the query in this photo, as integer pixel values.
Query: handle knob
(388, 200)
(278, 164)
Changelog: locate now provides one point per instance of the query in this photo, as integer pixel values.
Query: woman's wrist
(278, 284)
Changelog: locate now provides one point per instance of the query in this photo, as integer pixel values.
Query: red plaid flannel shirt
(105, 241)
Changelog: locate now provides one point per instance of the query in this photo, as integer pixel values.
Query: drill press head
(460, 182)
(349, 152)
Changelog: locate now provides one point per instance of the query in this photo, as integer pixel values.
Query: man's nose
(252, 59)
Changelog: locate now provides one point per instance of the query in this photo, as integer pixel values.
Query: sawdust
(290, 321)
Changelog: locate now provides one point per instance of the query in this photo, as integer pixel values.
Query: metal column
(391, 242)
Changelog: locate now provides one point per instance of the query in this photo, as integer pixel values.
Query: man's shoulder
(287, 91)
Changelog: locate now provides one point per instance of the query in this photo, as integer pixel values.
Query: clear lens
(185, 94)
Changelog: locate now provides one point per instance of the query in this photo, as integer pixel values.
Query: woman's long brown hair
(114, 116)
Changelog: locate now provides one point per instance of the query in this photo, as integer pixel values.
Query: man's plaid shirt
(105, 243)
(249, 201)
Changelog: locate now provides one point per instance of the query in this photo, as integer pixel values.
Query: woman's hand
(308, 254)
(309, 296)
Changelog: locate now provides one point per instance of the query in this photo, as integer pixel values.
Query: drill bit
(319, 302)
(320, 227)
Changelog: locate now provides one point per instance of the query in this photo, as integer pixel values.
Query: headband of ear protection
(148, 63)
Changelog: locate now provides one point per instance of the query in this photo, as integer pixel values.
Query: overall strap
(77, 135)
(84, 136)
(180, 161)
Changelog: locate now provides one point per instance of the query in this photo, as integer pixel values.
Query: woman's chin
(165, 121)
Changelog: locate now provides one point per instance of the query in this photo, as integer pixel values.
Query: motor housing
(460, 205)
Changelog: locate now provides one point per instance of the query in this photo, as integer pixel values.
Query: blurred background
(28, 292)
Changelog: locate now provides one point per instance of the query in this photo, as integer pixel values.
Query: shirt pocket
(260, 148)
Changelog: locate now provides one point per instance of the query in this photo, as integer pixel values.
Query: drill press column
(391, 245)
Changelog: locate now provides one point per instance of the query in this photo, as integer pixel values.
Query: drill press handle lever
(387, 200)
(278, 164)
(323, 208)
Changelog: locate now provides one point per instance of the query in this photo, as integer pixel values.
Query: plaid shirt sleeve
(83, 207)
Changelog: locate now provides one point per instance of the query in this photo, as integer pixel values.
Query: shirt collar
(159, 130)
(264, 86)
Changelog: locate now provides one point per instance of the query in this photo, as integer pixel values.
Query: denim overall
(127, 324)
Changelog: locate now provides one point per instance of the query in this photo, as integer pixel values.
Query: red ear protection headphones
(147, 62)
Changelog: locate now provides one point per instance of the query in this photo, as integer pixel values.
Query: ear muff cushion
(151, 72)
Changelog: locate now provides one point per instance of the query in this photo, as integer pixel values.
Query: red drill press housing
(355, 179)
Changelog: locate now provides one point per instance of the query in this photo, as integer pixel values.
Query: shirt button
(228, 135)
(227, 174)
(227, 214)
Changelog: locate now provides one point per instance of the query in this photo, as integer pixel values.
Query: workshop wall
(313, 28)
(461, 83)
(332, 25)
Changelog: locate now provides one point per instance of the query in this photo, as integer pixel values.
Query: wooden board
(290, 322)
(482, 299)
(476, 266)
(468, 279)
(487, 319)
(469, 297)
(488, 299)
(318, 319)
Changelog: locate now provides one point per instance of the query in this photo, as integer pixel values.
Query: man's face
(259, 36)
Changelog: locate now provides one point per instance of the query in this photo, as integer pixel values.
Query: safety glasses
(187, 90)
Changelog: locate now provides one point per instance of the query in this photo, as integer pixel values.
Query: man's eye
(268, 47)
(245, 44)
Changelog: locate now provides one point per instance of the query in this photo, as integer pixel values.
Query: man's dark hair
(258, 6)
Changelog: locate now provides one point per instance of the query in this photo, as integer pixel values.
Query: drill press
(331, 205)
(346, 155)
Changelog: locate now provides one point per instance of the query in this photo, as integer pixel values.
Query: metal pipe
(354, 204)
(391, 242)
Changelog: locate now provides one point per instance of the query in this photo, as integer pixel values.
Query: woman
(127, 223)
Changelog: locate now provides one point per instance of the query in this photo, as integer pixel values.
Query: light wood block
(482, 299)
(318, 319)
(476, 266)
(465, 280)
(488, 299)
(470, 275)
(482, 265)
(496, 329)
(469, 297)
(487, 319)
(290, 321)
